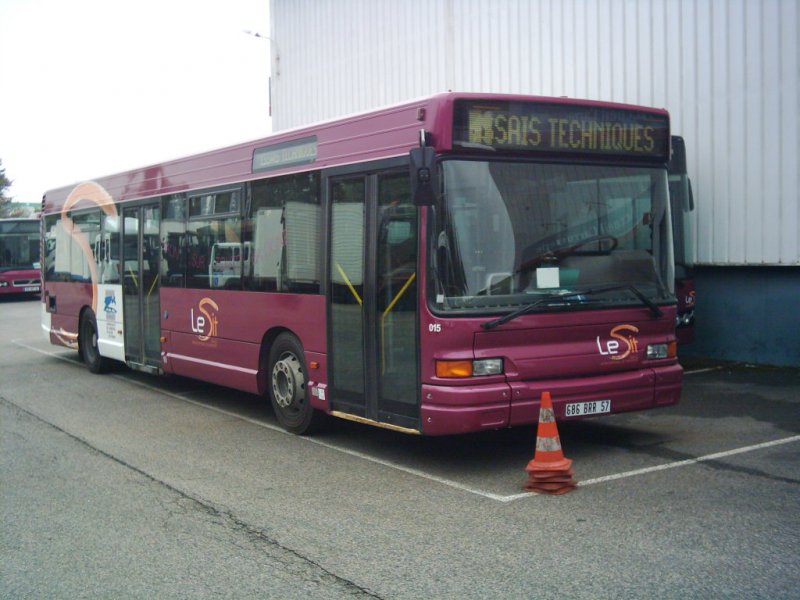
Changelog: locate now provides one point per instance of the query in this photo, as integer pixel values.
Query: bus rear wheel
(287, 386)
(90, 353)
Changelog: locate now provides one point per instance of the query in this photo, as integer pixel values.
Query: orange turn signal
(454, 368)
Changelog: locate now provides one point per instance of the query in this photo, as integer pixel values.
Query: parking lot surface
(129, 485)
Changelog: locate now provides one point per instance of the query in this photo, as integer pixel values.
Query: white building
(727, 70)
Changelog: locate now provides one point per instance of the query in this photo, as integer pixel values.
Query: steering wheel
(582, 243)
(554, 255)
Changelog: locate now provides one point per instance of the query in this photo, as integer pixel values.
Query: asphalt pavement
(133, 486)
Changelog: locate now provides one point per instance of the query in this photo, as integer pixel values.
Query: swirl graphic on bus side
(95, 193)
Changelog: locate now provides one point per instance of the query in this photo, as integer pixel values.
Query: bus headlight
(656, 351)
(487, 366)
(469, 368)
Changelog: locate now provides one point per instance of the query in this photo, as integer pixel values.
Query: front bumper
(461, 409)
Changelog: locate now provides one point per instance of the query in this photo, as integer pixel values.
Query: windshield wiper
(529, 307)
(553, 297)
(638, 293)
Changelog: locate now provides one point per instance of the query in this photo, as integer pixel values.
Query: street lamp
(277, 57)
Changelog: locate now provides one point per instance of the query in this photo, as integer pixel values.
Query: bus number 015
(434, 327)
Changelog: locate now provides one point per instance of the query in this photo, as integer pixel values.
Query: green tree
(5, 200)
(5, 183)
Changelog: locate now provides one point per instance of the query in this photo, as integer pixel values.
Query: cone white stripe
(548, 444)
(547, 415)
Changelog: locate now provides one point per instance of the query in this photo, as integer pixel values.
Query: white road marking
(692, 461)
(706, 370)
(423, 474)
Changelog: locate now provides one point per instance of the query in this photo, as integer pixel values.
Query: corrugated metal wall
(727, 70)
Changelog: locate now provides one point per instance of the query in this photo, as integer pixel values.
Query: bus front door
(140, 264)
(372, 283)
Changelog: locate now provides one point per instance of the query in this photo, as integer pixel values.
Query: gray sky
(94, 87)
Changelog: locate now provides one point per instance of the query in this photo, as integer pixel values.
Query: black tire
(88, 345)
(288, 392)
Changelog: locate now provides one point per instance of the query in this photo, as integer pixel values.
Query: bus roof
(383, 133)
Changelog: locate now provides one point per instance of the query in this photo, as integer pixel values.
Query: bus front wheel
(90, 353)
(287, 386)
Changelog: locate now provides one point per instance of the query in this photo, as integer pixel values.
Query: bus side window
(174, 241)
(86, 227)
(52, 224)
(283, 231)
(214, 223)
(205, 240)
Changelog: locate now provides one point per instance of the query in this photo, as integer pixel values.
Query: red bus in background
(682, 203)
(19, 256)
(430, 267)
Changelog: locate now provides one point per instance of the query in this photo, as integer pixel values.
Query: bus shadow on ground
(483, 447)
(494, 460)
(491, 462)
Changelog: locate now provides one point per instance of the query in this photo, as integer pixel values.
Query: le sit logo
(621, 346)
(205, 323)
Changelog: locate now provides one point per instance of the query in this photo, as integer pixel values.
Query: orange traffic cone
(549, 472)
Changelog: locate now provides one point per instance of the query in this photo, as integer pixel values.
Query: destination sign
(561, 128)
(296, 152)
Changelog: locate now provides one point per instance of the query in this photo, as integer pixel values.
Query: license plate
(595, 407)
(31, 288)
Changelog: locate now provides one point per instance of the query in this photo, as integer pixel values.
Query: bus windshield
(509, 234)
(19, 245)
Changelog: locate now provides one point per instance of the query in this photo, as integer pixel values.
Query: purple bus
(430, 267)
(19, 256)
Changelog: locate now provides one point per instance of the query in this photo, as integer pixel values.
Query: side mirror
(421, 161)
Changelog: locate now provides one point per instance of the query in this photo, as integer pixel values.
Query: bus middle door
(372, 282)
(140, 265)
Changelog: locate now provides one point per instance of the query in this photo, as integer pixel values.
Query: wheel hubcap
(288, 382)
